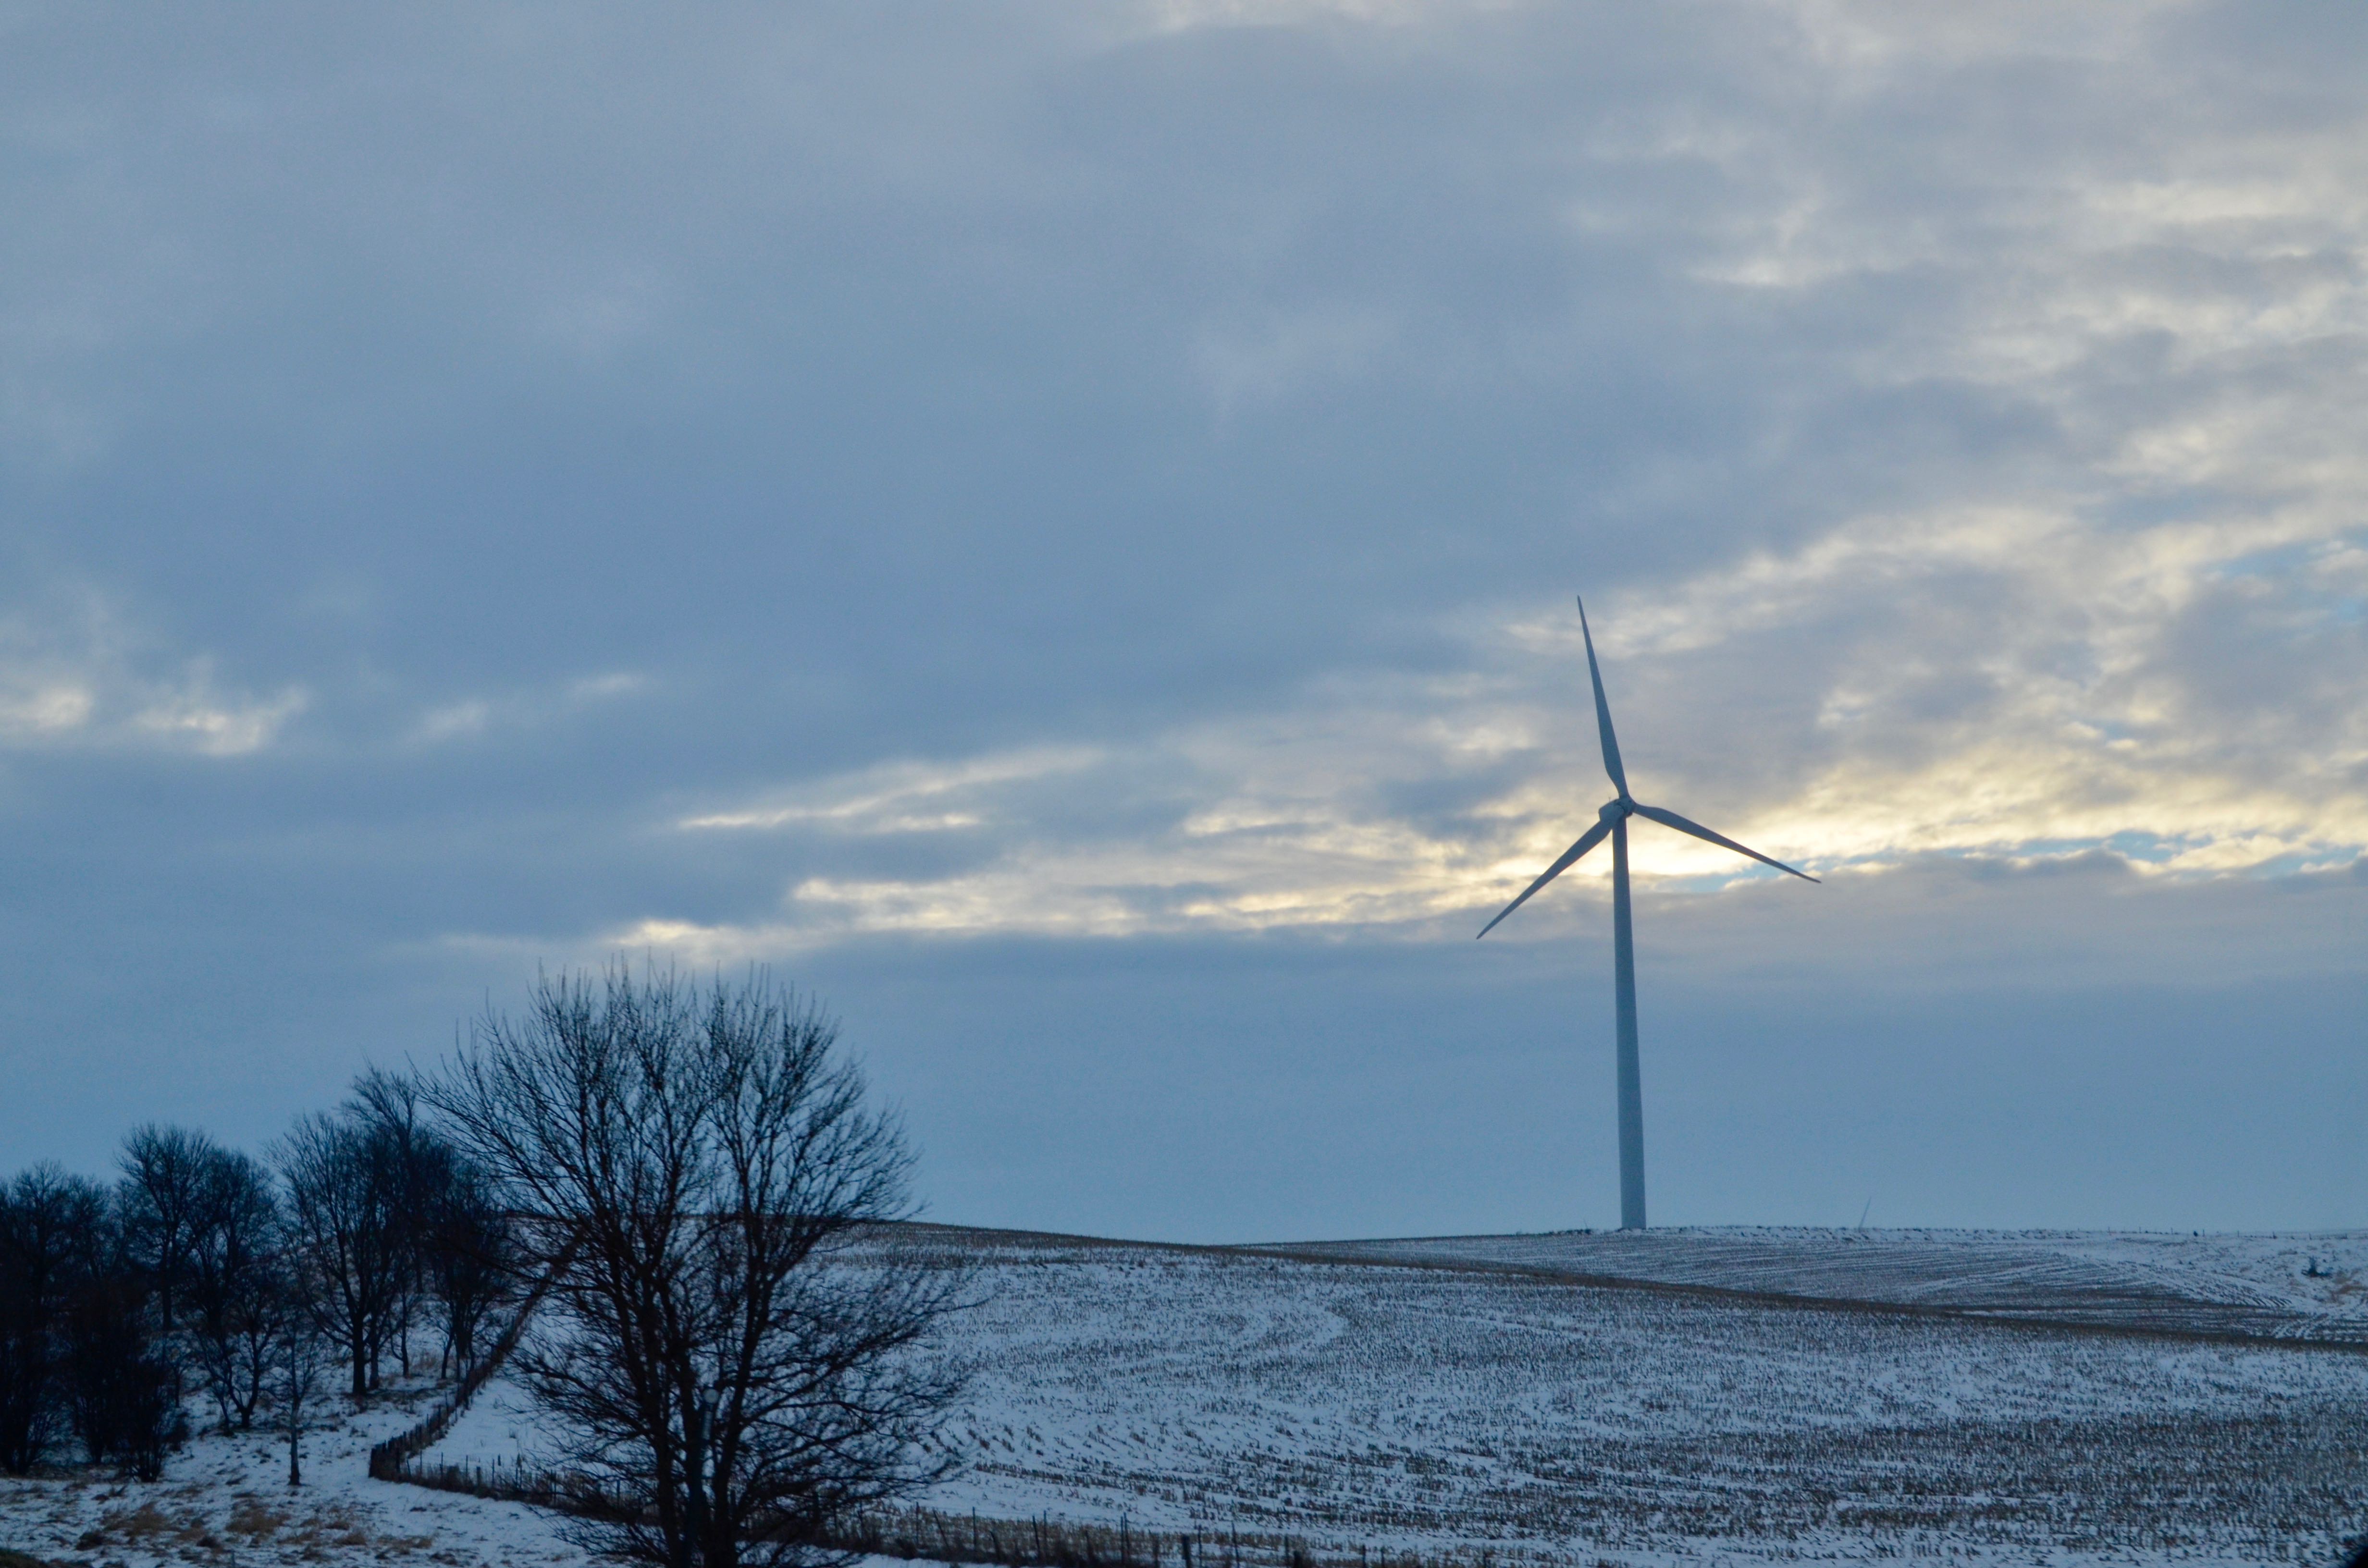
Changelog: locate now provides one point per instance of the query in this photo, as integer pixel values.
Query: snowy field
(1441, 1409)
(2305, 1287)
(1446, 1410)
(1450, 1410)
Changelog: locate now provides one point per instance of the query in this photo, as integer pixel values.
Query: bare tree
(49, 1223)
(122, 1384)
(163, 1181)
(733, 1343)
(414, 1163)
(453, 1237)
(301, 1360)
(79, 1349)
(345, 1252)
(467, 1257)
(237, 1291)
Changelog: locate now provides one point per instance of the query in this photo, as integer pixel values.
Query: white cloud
(78, 675)
(41, 704)
(910, 797)
(215, 725)
(1247, 363)
(471, 717)
(454, 721)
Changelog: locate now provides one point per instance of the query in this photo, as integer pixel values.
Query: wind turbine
(1611, 822)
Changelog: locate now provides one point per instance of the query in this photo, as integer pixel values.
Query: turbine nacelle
(1623, 805)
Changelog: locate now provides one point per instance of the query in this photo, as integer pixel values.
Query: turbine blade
(1587, 840)
(1603, 712)
(1671, 819)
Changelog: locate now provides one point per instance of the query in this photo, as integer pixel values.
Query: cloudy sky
(1055, 525)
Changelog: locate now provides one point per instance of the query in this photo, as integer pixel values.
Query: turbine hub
(1613, 809)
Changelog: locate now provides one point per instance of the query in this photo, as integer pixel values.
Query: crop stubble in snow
(2307, 1286)
(1436, 1410)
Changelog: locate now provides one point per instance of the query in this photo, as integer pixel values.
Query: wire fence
(390, 1460)
(922, 1534)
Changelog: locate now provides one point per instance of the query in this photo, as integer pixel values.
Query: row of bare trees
(78, 1355)
(390, 1223)
(205, 1274)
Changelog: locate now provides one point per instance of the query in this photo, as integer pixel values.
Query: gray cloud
(861, 486)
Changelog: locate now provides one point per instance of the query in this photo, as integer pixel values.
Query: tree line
(205, 1277)
(733, 1344)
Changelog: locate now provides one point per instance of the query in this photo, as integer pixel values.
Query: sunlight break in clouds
(2077, 717)
(1285, 822)
(2000, 681)
(1289, 822)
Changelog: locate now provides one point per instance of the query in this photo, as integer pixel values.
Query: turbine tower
(1612, 822)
